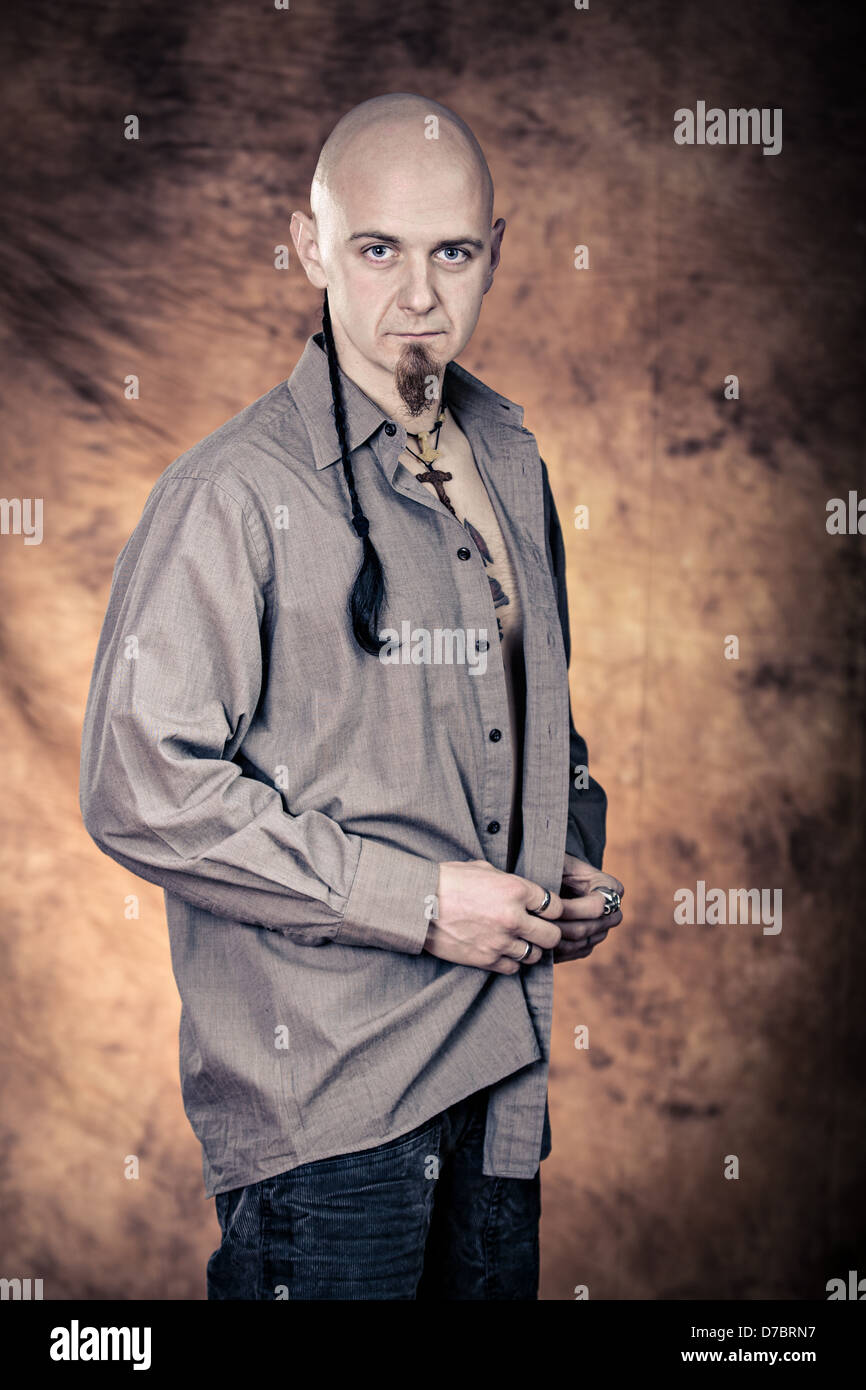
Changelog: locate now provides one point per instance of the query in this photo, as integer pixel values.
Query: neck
(378, 383)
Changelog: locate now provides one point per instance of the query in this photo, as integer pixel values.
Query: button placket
(496, 791)
(498, 768)
(495, 800)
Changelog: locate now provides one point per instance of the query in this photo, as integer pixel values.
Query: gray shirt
(294, 796)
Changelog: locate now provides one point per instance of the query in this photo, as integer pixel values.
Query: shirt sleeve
(177, 680)
(587, 806)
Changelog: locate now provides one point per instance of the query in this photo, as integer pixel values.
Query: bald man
(344, 748)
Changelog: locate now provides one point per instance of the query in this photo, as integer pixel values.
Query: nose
(415, 292)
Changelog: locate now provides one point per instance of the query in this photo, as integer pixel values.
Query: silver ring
(526, 952)
(612, 900)
(536, 911)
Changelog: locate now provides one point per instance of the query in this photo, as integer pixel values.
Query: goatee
(415, 366)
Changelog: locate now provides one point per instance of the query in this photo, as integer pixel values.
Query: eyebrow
(396, 241)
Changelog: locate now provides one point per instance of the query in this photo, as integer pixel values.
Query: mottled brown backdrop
(707, 518)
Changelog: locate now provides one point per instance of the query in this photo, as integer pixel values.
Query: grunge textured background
(707, 518)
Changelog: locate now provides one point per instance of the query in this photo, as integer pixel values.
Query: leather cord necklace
(429, 453)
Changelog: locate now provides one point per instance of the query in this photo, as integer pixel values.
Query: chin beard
(415, 364)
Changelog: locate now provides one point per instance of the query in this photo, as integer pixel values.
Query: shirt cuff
(391, 900)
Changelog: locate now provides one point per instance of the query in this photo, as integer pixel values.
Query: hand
(582, 907)
(482, 918)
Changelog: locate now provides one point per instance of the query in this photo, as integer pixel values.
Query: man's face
(408, 254)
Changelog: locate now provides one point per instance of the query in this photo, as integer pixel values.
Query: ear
(495, 244)
(304, 235)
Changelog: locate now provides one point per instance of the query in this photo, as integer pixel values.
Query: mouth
(436, 333)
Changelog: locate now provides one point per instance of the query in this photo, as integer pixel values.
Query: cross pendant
(437, 478)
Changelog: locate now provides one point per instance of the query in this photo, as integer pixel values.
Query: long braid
(368, 591)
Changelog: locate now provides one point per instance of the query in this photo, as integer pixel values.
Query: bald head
(404, 135)
(401, 237)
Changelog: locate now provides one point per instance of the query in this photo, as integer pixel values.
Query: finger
(508, 965)
(582, 886)
(612, 919)
(582, 931)
(576, 909)
(597, 937)
(536, 930)
(541, 928)
(535, 896)
(593, 940)
(517, 954)
(603, 891)
(571, 952)
(608, 881)
(585, 926)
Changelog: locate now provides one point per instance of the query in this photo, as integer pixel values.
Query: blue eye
(452, 253)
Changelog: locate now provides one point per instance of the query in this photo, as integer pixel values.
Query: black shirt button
(390, 428)
(495, 735)
(493, 827)
(463, 553)
(482, 644)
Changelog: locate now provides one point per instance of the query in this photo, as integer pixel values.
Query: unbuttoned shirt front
(294, 795)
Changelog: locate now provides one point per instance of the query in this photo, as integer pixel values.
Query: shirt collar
(310, 388)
